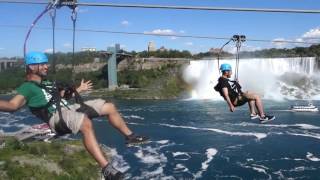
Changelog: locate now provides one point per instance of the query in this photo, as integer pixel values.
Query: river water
(201, 139)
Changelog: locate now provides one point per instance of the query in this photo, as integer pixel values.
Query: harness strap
(236, 87)
(43, 113)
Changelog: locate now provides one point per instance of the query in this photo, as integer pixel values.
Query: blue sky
(254, 25)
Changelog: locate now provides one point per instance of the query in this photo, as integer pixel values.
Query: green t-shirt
(35, 95)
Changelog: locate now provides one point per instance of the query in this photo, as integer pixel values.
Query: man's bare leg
(90, 142)
(115, 119)
(259, 106)
(252, 107)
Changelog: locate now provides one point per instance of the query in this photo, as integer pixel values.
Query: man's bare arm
(13, 104)
(226, 95)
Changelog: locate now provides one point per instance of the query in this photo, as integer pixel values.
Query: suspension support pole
(238, 39)
(112, 66)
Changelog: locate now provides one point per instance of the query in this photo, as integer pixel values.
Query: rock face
(40, 160)
(83, 67)
(128, 63)
(149, 63)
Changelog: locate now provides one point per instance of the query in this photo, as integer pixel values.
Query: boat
(304, 108)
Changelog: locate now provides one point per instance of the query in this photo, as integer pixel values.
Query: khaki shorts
(72, 118)
(244, 98)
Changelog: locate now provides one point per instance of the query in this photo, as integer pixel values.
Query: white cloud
(312, 33)
(49, 50)
(161, 32)
(312, 36)
(182, 31)
(189, 43)
(125, 23)
(278, 43)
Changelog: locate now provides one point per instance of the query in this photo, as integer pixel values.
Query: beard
(42, 74)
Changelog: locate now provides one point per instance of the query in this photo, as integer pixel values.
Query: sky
(15, 20)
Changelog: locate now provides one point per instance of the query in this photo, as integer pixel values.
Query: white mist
(272, 78)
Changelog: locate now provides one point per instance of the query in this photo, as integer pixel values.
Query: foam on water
(311, 135)
(150, 157)
(181, 168)
(211, 152)
(257, 135)
(312, 157)
(182, 156)
(134, 117)
(163, 142)
(117, 160)
(156, 174)
(258, 168)
(301, 126)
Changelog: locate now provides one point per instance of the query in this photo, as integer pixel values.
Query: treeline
(164, 54)
(79, 57)
(312, 51)
(88, 57)
(11, 78)
(202, 55)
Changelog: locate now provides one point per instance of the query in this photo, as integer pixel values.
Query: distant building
(96, 60)
(91, 49)
(162, 49)
(151, 46)
(214, 50)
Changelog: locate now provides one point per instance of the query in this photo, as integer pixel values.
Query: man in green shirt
(48, 102)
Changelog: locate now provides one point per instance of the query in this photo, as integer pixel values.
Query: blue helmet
(225, 67)
(35, 58)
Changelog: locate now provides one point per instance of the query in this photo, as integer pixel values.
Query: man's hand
(84, 86)
(232, 108)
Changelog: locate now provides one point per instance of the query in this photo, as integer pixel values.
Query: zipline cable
(238, 39)
(49, 6)
(220, 51)
(167, 35)
(201, 8)
(53, 19)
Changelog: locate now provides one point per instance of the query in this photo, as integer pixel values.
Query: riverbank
(60, 159)
(163, 82)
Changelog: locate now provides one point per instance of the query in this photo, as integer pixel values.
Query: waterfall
(272, 78)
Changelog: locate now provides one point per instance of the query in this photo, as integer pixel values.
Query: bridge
(114, 55)
(7, 63)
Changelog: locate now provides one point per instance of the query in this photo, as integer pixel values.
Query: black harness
(236, 89)
(70, 91)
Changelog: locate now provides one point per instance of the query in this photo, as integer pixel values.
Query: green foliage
(212, 55)
(79, 57)
(11, 79)
(12, 143)
(312, 51)
(140, 79)
(165, 54)
(76, 165)
(174, 86)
